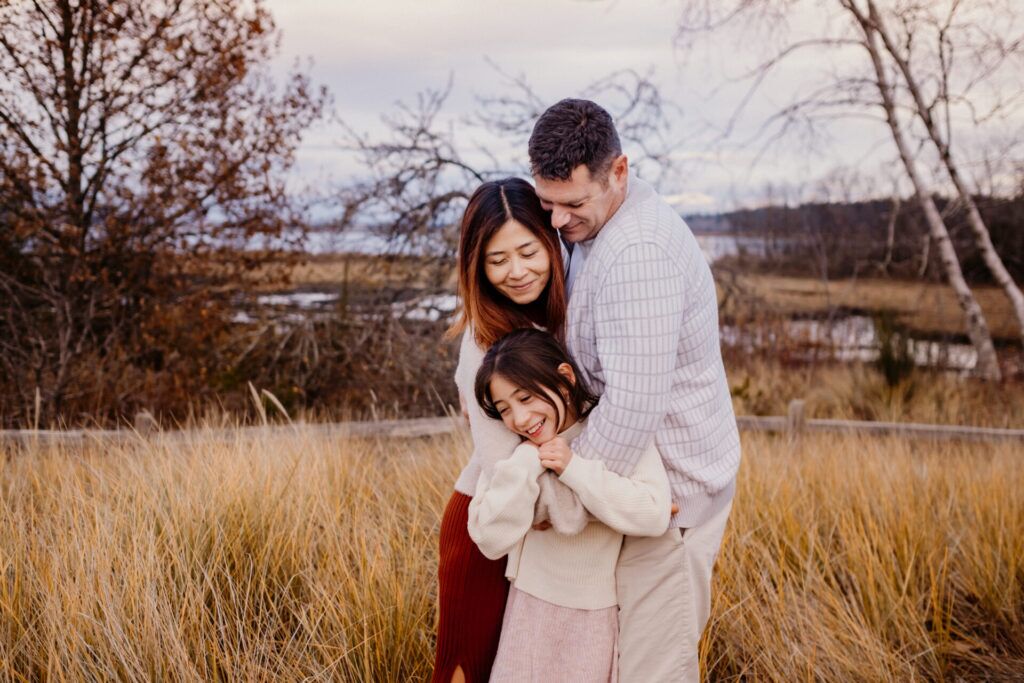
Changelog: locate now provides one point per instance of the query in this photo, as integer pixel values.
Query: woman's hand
(555, 455)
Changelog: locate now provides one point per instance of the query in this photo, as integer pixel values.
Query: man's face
(581, 205)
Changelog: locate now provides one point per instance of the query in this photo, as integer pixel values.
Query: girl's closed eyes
(525, 414)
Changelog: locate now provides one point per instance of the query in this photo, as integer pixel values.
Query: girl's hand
(555, 455)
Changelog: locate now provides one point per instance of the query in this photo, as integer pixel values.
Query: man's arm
(638, 317)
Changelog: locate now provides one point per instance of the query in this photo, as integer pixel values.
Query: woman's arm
(637, 505)
(501, 511)
(492, 440)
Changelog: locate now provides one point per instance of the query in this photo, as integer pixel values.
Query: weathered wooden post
(144, 423)
(795, 419)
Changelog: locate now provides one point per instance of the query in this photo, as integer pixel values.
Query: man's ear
(620, 169)
(565, 370)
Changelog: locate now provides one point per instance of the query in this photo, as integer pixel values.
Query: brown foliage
(142, 144)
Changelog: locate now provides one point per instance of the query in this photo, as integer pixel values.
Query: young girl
(561, 619)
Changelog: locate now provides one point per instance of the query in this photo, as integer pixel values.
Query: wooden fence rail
(792, 425)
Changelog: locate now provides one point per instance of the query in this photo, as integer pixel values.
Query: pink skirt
(544, 642)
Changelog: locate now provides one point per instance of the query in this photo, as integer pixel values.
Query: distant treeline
(878, 237)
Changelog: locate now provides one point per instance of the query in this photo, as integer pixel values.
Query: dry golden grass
(924, 307)
(307, 558)
(854, 391)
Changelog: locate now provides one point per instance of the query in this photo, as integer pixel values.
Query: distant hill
(709, 224)
(847, 239)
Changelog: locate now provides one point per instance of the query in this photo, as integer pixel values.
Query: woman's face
(516, 263)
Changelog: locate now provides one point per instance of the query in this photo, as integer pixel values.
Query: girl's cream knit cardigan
(572, 571)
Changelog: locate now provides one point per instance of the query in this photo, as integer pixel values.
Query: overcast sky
(374, 54)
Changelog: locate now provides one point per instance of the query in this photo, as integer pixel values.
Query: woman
(510, 277)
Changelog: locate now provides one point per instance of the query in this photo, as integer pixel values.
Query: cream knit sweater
(492, 440)
(571, 571)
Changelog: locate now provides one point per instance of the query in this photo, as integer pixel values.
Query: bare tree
(142, 143)
(856, 89)
(977, 327)
(641, 116)
(419, 172)
(987, 51)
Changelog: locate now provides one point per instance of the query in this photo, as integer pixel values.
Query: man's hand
(555, 455)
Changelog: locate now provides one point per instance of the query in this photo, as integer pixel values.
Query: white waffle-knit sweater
(571, 571)
(643, 328)
(492, 440)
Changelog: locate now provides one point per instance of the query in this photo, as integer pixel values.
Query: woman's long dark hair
(490, 313)
(529, 359)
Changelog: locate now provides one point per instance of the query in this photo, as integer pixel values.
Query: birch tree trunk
(982, 238)
(890, 232)
(987, 365)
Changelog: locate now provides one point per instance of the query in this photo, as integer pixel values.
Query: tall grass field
(307, 558)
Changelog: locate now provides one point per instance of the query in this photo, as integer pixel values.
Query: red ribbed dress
(472, 591)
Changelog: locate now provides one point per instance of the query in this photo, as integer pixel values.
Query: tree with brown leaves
(143, 146)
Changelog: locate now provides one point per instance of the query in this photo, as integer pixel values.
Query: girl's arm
(501, 511)
(637, 505)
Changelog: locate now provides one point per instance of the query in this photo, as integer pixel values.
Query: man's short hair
(570, 133)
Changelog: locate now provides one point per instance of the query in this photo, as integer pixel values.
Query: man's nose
(559, 218)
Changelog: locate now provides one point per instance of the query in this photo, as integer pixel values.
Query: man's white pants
(664, 590)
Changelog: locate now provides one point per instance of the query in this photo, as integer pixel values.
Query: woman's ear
(565, 370)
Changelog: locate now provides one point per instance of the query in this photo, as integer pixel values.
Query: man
(643, 326)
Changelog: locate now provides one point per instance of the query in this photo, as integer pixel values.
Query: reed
(312, 558)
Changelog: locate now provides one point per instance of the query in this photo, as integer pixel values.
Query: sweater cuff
(528, 458)
(535, 469)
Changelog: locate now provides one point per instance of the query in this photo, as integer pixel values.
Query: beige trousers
(664, 590)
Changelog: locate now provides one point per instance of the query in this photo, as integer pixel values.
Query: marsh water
(840, 337)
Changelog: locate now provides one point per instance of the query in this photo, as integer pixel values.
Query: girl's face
(516, 263)
(524, 413)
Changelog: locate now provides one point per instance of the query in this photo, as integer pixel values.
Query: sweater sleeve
(638, 318)
(637, 505)
(501, 511)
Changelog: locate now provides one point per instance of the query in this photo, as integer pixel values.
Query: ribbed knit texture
(491, 438)
(471, 600)
(571, 571)
(643, 327)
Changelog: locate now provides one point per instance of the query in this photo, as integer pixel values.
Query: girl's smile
(524, 413)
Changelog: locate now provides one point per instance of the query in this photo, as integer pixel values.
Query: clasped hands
(555, 455)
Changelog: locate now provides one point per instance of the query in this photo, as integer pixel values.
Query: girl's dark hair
(489, 312)
(529, 359)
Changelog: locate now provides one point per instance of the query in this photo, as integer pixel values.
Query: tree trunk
(987, 365)
(982, 238)
(890, 233)
(925, 255)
